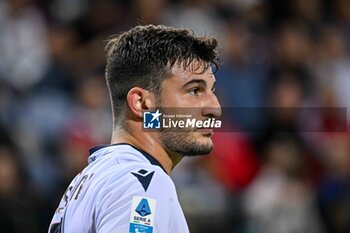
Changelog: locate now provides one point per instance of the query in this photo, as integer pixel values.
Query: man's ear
(140, 100)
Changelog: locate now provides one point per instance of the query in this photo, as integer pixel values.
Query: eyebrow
(200, 82)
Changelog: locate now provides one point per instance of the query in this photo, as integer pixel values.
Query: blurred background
(269, 176)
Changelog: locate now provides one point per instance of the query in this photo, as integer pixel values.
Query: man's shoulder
(124, 171)
(151, 177)
(139, 177)
(124, 164)
(138, 180)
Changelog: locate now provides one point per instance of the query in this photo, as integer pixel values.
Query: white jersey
(122, 190)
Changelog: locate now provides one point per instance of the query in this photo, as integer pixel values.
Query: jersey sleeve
(147, 203)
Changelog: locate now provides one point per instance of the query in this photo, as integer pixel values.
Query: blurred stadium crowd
(269, 176)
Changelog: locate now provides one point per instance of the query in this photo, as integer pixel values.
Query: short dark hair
(144, 55)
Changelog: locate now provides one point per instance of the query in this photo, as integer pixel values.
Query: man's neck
(148, 143)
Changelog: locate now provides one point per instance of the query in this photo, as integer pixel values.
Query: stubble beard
(181, 141)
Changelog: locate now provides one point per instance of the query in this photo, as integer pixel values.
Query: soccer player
(126, 186)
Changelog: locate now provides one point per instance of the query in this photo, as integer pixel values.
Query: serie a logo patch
(142, 215)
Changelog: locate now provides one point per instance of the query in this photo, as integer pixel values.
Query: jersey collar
(149, 157)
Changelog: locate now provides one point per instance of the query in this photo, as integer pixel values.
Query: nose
(212, 108)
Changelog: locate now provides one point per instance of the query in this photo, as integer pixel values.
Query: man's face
(193, 91)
